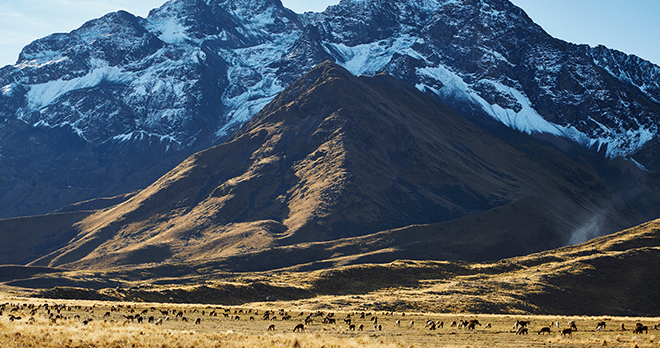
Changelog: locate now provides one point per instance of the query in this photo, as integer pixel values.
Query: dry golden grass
(223, 330)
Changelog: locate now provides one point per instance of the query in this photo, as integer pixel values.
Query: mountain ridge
(184, 78)
(339, 157)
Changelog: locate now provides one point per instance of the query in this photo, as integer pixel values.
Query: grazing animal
(453, 324)
(271, 327)
(488, 326)
(522, 331)
(106, 315)
(571, 325)
(520, 323)
(159, 321)
(151, 319)
(471, 324)
(566, 332)
(299, 328)
(198, 321)
(639, 328)
(361, 327)
(544, 330)
(351, 327)
(600, 325)
(184, 319)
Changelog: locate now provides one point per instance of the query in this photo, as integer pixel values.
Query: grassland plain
(76, 323)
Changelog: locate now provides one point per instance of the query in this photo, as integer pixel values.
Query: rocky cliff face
(113, 105)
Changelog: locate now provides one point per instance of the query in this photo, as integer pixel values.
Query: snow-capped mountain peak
(194, 70)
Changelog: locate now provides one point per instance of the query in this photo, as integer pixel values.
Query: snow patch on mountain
(141, 135)
(173, 32)
(251, 70)
(369, 59)
(8, 90)
(528, 120)
(46, 93)
(72, 126)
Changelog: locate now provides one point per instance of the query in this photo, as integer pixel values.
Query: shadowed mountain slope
(611, 275)
(337, 156)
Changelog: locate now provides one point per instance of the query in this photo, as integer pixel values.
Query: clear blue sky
(631, 26)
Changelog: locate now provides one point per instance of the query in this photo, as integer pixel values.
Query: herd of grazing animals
(157, 315)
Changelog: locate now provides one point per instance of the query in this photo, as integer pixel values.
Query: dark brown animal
(601, 325)
(299, 328)
(522, 331)
(472, 323)
(271, 327)
(544, 330)
(639, 328)
(566, 332)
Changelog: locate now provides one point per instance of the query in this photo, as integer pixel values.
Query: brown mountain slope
(611, 275)
(337, 156)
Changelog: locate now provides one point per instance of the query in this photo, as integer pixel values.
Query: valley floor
(70, 323)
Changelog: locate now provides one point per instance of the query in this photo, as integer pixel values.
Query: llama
(639, 328)
(522, 331)
(544, 330)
